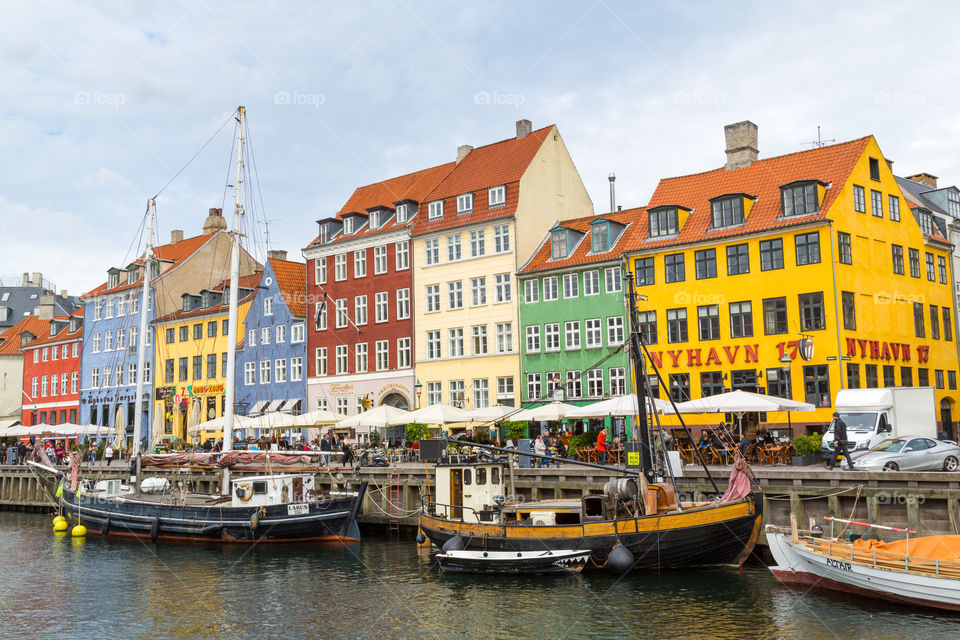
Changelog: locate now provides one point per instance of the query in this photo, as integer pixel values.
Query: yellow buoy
(59, 519)
(60, 524)
(79, 531)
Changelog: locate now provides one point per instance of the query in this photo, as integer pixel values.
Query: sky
(103, 103)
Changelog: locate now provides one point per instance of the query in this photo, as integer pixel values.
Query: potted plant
(808, 449)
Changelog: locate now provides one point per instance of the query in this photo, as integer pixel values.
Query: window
(947, 324)
(340, 267)
(432, 298)
(36, 357)
(342, 404)
(505, 390)
(109, 314)
(341, 313)
(741, 319)
(455, 342)
(403, 213)
(212, 365)
(531, 290)
(211, 331)
(618, 381)
(197, 330)
(853, 375)
(848, 303)
(184, 333)
(934, 322)
(360, 263)
(55, 384)
(551, 336)
(931, 270)
(771, 254)
(431, 250)
(876, 203)
(816, 385)
(645, 271)
(479, 339)
(107, 343)
(914, 263)
(726, 212)
(435, 210)
(893, 202)
(225, 328)
(870, 376)
(280, 370)
(906, 376)
(281, 333)
(923, 377)
(379, 260)
(843, 245)
(558, 244)
(799, 199)
(433, 345)
(360, 356)
(571, 285)
(679, 387)
(594, 335)
(501, 239)
(481, 393)
(477, 246)
(708, 318)
(167, 371)
(249, 373)
(95, 378)
(319, 316)
(663, 222)
(595, 383)
(182, 369)
(778, 382)
(897, 259)
(774, 316)
(711, 383)
(673, 267)
(455, 295)
(265, 335)
(496, 196)
(889, 376)
(457, 396)
(341, 358)
(571, 330)
(97, 307)
(197, 367)
(96, 342)
(591, 283)
(296, 332)
(381, 302)
(533, 386)
(859, 200)
(349, 225)
(533, 338)
(403, 353)
(573, 385)
(705, 263)
(924, 219)
(614, 281)
(599, 237)
(465, 203)
(433, 393)
(648, 326)
(502, 287)
(614, 331)
(811, 311)
(676, 325)
(264, 372)
(453, 248)
(951, 380)
(504, 337)
(807, 248)
(267, 311)
(403, 255)
(918, 328)
(550, 288)
(938, 378)
(320, 361)
(738, 259)
(403, 304)
(320, 271)
(942, 268)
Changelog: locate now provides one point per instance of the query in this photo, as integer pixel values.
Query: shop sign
(394, 387)
(878, 350)
(341, 389)
(163, 393)
(704, 357)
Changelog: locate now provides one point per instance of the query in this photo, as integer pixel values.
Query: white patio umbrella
(120, 425)
(493, 413)
(378, 417)
(438, 414)
(317, 418)
(619, 406)
(545, 413)
(217, 424)
(740, 402)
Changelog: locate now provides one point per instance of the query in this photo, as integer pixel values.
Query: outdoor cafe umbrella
(438, 414)
(545, 413)
(493, 413)
(379, 417)
(619, 406)
(120, 425)
(740, 402)
(217, 424)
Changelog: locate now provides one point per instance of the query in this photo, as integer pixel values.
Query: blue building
(271, 361)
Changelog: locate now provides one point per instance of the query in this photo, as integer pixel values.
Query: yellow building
(191, 355)
(743, 266)
(481, 223)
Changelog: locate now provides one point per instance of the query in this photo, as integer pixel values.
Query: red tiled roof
(64, 334)
(581, 255)
(762, 179)
(11, 337)
(500, 163)
(174, 252)
(292, 282)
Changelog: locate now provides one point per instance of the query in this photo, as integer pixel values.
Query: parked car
(909, 453)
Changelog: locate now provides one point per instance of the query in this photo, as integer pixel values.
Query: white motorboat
(542, 561)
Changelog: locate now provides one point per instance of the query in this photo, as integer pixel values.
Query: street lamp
(417, 388)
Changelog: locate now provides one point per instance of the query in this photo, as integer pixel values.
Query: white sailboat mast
(142, 335)
(234, 291)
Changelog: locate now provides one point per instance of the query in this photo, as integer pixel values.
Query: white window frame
(613, 277)
(532, 338)
(571, 335)
(381, 306)
(455, 295)
(360, 310)
(404, 353)
(342, 361)
(591, 282)
(435, 210)
(320, 361)
(361, 358)
(593, 333)
(571, 286)
(360, 263)
(340, 267)
(380, 259)
(403, 304)
(504, 337)
(296, 369)
(478, 291)
(320, 271)
(615, 335)
(465, 203)
(403, 255)
(501, 238)
(431, 251)
(551, 336)
(478, 243)
(432, 298)
(296, 332)
(503, 288)
(382, 350)
(551, 288)
(454, 248)
(497, 196)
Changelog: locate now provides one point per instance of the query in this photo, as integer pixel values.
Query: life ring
(244, 491)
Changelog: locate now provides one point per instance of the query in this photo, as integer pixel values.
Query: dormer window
(497, 196)
(726, 211)
(799, 198)
(324, 234)
(403, 213)
(953, 204)
(349, 225)
(465, 203)
(558, 244)
(925, 220)
(663, 222)
(435, 210)
(75, 324)
(113, 279)
(599, 237)
(132, 275)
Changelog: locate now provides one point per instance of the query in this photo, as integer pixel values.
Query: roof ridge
(403, 175)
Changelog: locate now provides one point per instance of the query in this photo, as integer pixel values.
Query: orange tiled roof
(292, 282)
(581, 255)
(763, 179)
(174, 252)
(500, 163)
(64, 334)
(11, 342)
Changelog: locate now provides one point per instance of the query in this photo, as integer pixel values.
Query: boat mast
(639, 382)
(234, 290)
(142, 336)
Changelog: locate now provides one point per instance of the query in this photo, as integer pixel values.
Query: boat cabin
(471, 492)
(264, 491)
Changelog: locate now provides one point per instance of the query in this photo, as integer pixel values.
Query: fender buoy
(106, 527)
(60, 524)
(453, 544)
(78, 531)
(154, 529)
(421, 538)
(254, 521)
(243, 491)
(620, 559)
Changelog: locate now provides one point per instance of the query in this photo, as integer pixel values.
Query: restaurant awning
(274, 406)
(290, 406)
(258, 408)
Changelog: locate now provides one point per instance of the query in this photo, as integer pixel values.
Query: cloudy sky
(103, 102)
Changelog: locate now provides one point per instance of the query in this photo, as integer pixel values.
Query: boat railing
(429, 506)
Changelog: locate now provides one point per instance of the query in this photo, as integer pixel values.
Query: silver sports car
(909, 453)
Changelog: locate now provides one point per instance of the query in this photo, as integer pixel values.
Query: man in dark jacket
(327, 446)
(839, 442)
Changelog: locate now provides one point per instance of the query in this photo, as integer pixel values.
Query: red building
(359, 285)
(51, 372)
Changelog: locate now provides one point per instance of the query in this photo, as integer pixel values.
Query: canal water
(54, 586)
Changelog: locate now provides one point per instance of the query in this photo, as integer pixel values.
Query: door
(298, 490)
(946, 418)
(456, 493)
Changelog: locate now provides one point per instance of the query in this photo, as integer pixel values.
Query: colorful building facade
(51, 373)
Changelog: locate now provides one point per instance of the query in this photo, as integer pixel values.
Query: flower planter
(804, 461)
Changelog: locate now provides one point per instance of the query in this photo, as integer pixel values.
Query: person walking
(108, 454)
(602, 446)
(327, 446)
(839, 441)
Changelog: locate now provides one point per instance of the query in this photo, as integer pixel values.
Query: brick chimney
(276, 254)
(176, 236)
(926, 179)
(741, 140)
(524, 127)
(214, 221)
(462, 151)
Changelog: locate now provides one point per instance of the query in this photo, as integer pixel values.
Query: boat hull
(323, 520)
(706, 536)
(517, 562)
(799, 566)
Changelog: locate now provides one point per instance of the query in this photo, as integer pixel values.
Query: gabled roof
(830, 164)
(581, 255)
(63, 334)
(174, 252)
(500, 163)
(11, 337)
(291, 279)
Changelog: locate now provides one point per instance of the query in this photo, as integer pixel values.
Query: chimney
(462, 152)
(63, 293)
(44, 310)
(613, 192)
(214, 221)
(276, 254)
(926, 179)
(524, 127)
(176, 235)
(36, 279)
(889, 164)
(741, 144)
(26, 279)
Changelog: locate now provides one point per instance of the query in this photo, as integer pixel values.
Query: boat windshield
(891, 445)
(860, 421)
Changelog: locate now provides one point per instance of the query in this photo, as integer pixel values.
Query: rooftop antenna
(266, 230)
(820, 142)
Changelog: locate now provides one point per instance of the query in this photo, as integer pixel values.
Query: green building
(573, 313)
